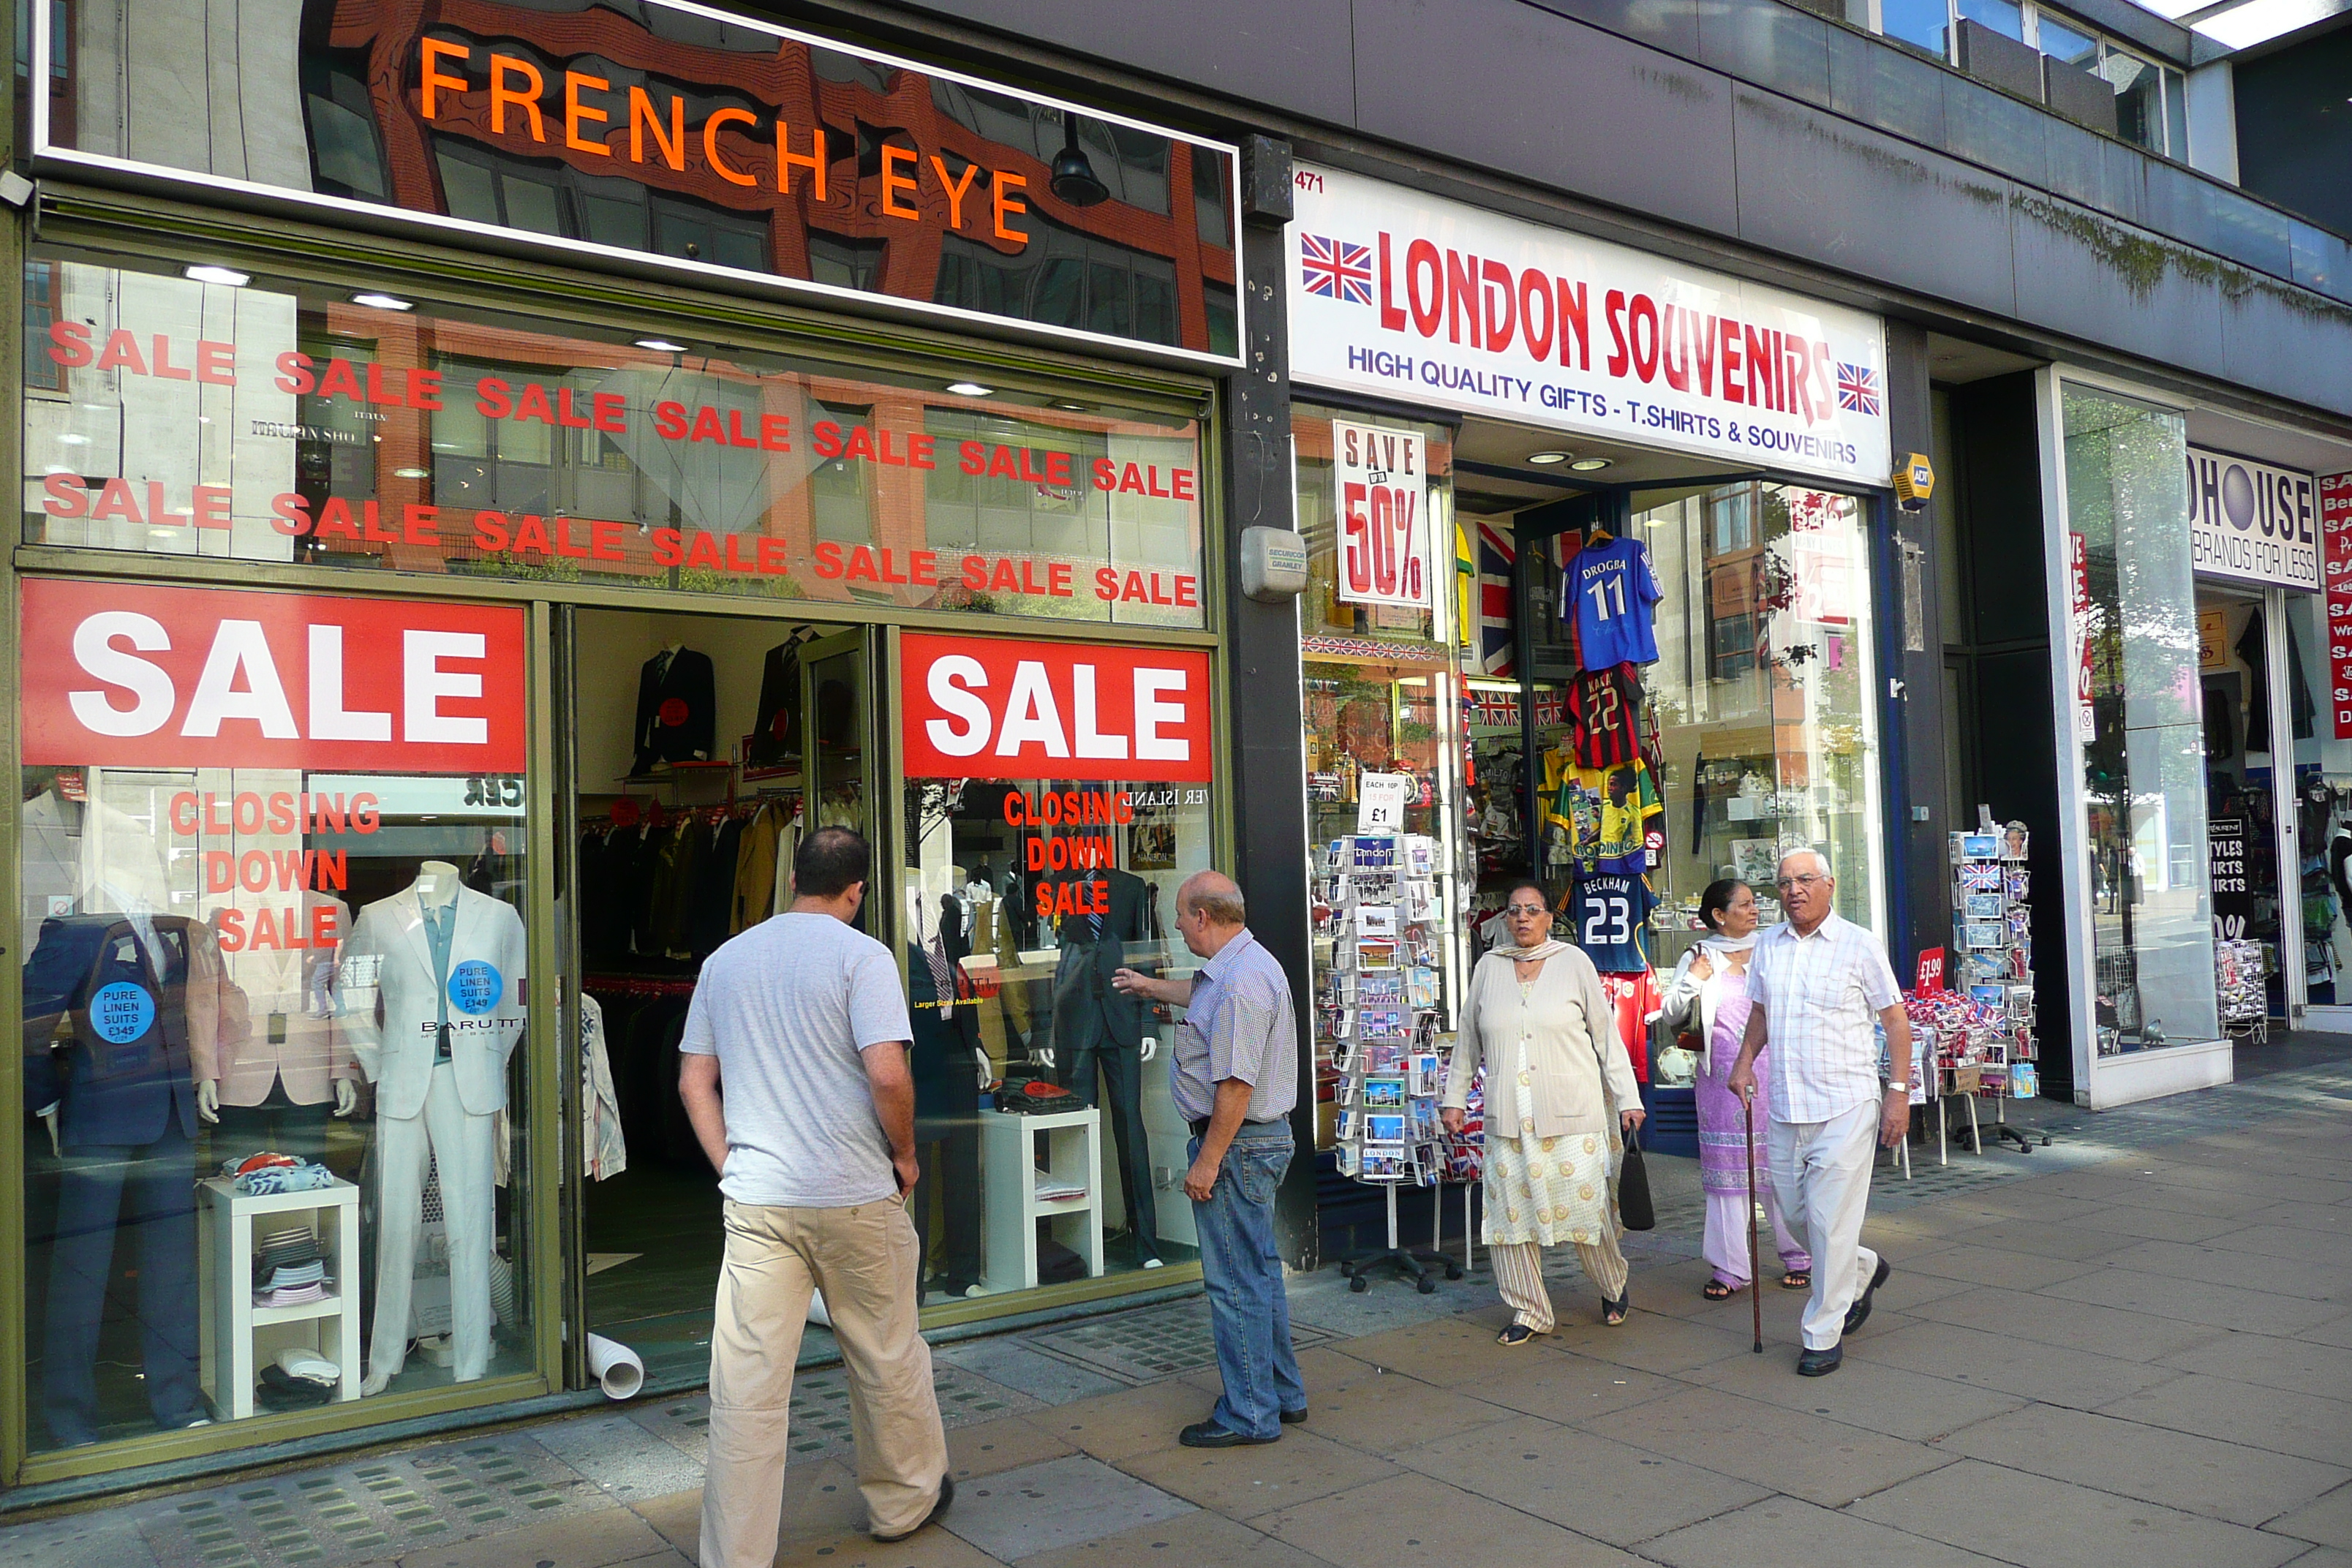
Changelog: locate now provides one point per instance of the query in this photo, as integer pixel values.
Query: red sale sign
(123, 674)
(2335, 558)
(982, 708)
(1383, 493)
(1928, 980)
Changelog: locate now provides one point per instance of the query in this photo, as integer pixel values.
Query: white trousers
(408, 1147)
(1821, 1173)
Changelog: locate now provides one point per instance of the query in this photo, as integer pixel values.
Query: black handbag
(1633, 1206)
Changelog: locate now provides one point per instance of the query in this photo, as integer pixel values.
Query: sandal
(1797, 1279)
(1717, 1290)
(1613, 1312)
(1515, 1336)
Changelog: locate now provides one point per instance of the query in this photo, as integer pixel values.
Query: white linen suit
(442, 1110)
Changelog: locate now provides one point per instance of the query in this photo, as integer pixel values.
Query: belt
(1200, 1125)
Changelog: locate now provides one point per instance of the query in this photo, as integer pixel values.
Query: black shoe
(1820, 1364)
(1859, 1312)
(1295, 1417)
(1209, 1434)
(947, 1500)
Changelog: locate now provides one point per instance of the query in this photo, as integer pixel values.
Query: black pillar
(1262, 669)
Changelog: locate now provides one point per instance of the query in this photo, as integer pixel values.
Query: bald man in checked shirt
(1235, 1076)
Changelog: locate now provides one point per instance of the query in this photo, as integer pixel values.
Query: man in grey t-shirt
(795, 1075)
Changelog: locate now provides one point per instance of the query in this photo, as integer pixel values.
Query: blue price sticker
(122, 1011)
(474, 987)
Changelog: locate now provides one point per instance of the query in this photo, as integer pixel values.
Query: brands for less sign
(1411, 297)
(2251, 522)
(981, 708)
(119, 675)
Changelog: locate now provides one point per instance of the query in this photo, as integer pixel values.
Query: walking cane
(1755, 1279)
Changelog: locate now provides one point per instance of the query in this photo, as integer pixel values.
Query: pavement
(2133, 1346)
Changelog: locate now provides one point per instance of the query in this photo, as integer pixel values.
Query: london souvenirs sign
(1416, 299)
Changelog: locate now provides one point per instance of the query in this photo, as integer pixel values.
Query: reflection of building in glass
(681, 137)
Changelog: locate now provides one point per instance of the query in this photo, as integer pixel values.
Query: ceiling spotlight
(1069, 407)
(661, 345)
(1546, 459)
(1073, 177)
(971, 389)
(383, 302)
(1589, 465)
(412, 473)
(229, 276)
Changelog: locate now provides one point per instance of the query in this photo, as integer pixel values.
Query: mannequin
(286, 1068)
(949, 1067)
(119, 1026)
(1101, 1031)
(432, 986)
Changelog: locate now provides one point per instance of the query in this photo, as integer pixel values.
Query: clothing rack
(636, 985)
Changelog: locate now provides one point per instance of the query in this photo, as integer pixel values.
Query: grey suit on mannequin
(429, 1108)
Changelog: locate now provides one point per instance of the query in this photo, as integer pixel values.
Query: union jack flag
(1497, 552)
(1981, 877)
(1857, 387)
(1336, 269)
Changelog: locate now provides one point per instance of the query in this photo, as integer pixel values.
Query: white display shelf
(231, 1322)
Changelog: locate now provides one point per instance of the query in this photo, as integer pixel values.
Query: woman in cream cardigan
(1536, 1017)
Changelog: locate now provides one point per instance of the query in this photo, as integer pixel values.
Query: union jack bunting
(1493, 707)
(1497, 551)
(1336, 269)
(1857, 384)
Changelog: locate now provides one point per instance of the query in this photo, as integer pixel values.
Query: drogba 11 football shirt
(1610, 590)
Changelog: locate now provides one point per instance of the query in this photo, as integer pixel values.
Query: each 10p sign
(1384, 483)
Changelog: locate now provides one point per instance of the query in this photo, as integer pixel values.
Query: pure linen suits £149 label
(431, 1108)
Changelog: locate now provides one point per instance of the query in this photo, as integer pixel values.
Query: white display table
(232, 1324)
(1009, 1161)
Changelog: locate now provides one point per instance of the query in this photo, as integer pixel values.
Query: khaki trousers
(866, 1261)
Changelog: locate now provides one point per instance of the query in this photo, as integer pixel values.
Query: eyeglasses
(1525, 910)
(1805, 881)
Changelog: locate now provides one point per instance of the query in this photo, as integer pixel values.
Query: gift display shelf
(232, 1325)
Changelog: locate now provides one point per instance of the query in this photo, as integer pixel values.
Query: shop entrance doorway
(2261, 894)
(702, 748)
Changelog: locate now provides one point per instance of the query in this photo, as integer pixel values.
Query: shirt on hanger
(1609, 815)
(1608, 592)
(1609, 914)
(1604, 710)
(1637, 1001)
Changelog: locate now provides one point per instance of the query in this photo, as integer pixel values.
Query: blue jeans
(1249, 1314)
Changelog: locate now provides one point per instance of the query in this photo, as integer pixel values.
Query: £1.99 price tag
(1382, 481)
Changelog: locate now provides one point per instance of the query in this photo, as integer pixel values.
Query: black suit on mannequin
(677, 710)
(946, 1064)
(1098, 1029)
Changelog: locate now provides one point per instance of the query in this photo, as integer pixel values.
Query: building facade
(534, 461)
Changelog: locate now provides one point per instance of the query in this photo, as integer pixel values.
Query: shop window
(845, 263)
(312, 428)
(1022, 897)
(230, 888)
(1213, 198)
(1923, 25)
(2142, 748)
(1767, 732)
(1224, 317)
(1064, 278)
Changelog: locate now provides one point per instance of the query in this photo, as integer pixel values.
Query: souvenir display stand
(1377, 1011)
(2240, 990)
(1980, 1032)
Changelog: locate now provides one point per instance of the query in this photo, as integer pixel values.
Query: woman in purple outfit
(1709, 997)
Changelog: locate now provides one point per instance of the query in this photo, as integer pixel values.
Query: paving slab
(1013, 1363)
(1784, 1532)
(2179, 1470)
(612, 1451)
(2037, 1522)
(1597, 1485)
(1444, 1352)
(2331, 1248)
(2161, 1224)
(1647, 1341)
(2074, 1325)
(1062, 1502)
(2309, 1273)
(1569, 1387)
(1375, 1411)
(1417, 1522)
(2296, 1215)
(1006, 1443)
(1787, 1451)
(109, 1539)
(1998, 1268)
(1185, 1541)
(2143, 1192)
(2295, 1365)
(2271, 1418)
(1241, 1483)
(2326, 1521)
(2188, 1300)
(1114, 1426)
(1866, 1394)
(584, 1540)
(2040, 1240)
(1977, 1358)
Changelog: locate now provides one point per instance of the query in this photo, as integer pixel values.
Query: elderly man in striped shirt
(1235, 1076)
(1817, 980)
